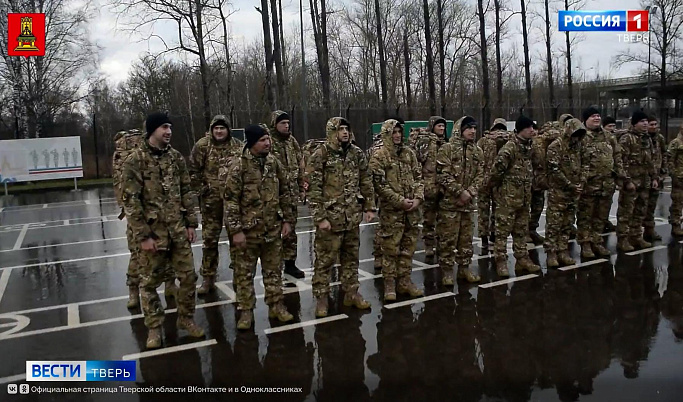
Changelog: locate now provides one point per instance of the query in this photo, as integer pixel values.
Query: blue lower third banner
(90, 370)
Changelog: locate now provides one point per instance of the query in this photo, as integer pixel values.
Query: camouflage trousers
(455, 232)
(487, 214)
(270, 253)
(676, 201)
(289, 243)
(133, 273)
(591, 215)
(212, 225)
(632, 208)
(558, 220)
(153, 271)
(398, 239)
(376, 241)
(653, 197)
(429, 234)
(511, 220)
(328, 246)
(537, 204)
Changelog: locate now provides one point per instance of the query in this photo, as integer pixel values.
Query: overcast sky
(120, 50)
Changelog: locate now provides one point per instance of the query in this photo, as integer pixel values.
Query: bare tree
(382, 58)
(527, 64)
(549, 60)
(319, 20)
(406, 63)
(268, 49)
(430, 59)
(277, 52)
(442, 57)
(484, 66)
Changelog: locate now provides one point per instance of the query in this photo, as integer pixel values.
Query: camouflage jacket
(459, 168)
(674, 157)
(636, 153)
(288, 152)
(257, 198)
(396, 174)
(157, 195)
(126, 142)
(659, 154)
(427, 145)
(565, 167)
(207, 158)
(512, 174)
(602, 155)
(340, 185)
(492, 141)
(549, 132)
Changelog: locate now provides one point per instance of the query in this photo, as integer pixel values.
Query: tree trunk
(319, 20)
(527, 63)
(486, 113)
(442, 58)
(430, 59)
(406, 62)
(499, 64)
(277, 53)
(226, 48)
(549, 60)
(203, 66)
(285, 90)
(268, 48)
(570, 92)
(382, 59)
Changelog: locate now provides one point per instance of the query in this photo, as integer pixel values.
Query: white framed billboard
(40, 159)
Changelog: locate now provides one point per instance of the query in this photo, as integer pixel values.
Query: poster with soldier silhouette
(40, 159)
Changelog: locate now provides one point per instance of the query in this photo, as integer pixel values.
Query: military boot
(601, 250)
(292, 270)
(378, 264)
(624, 245)
(525, 264)
(407, 287)
(676, 230)
(587, 250)
(208, 285)
(535, 237)
(465, 273)
(429, 250)
(651, 234)
(279, 311)
(246, 319)
(639, 242)
(353, 298)
(502, 267)
(321, 306)
(154, 338)
(447, 276)
(565, 259)
(389, 289)
(170, 289)
(551, 260)
(133, 297)
(188, 324)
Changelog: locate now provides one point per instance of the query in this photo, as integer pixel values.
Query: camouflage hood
(499, 124)
(271, 127)
(456, 134)
(222, 120)
(573, 128)
(331, 128)
(385, 134)
(564, 117)
(433, 121)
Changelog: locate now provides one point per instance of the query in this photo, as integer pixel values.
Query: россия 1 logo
(604, 21)
(26, 34)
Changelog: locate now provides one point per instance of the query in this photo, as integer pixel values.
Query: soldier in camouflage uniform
(376, 240)
(340, 189)
(208, 156)
(490, 144)
(459, 175)
(397, 178)
(427, 145)
(566, 180)
(639, 177)
(160, 206)
(259, 213)
(602, 156)
(286, 149)
(548, 133)
(659, 161)
(511, 186)
(674, 159)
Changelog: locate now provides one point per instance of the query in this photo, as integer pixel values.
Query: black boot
(292, 270)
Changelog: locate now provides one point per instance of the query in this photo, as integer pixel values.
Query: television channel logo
(604, 21)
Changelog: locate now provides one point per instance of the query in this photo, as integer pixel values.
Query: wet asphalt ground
(602, 330)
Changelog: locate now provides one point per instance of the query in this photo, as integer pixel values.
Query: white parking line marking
(20, 239)
(73, 315)
(419, 300)
(511, 280)
(44, 206)
(172, 349)
(646, 250)
(12, 378)
(227, 290)
(583, 264)
(4, 279)
(305, 324)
